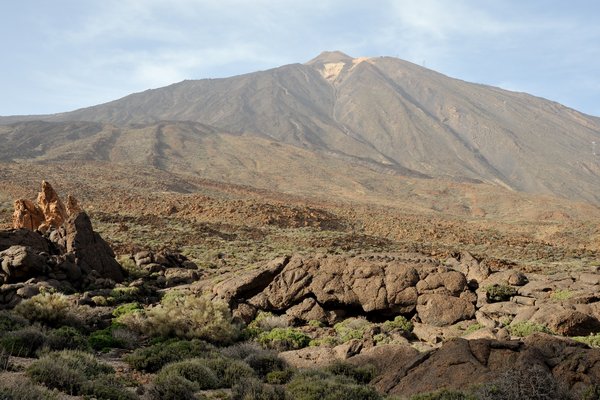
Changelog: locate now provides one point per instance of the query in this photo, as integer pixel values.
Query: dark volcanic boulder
(91, 252)
(460, 364)
(23, 237)
(21, 262)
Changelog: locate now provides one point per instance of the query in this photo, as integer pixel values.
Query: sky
(62, 55)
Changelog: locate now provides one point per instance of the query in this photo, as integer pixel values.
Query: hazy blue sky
(60, 55)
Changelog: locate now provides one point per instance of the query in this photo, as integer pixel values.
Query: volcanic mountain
(356, 123)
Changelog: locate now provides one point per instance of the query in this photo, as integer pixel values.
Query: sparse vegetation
(590, 340)
(561, 295)
(155, 356)
(527, 328)
(185, 316)
(351, 328)
(284, 339)
(47, 308)
(496, 293)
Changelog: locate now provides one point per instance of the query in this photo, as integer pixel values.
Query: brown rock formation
(73, 207)
(52, 207)
(27, 215)
(49, 212)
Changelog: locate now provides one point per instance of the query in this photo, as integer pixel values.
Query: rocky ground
(291, 300)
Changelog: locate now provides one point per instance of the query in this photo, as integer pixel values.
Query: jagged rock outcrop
(69, 255)
(48, 211)
(27, 215)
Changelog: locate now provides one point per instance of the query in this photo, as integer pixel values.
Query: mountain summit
(382, 113)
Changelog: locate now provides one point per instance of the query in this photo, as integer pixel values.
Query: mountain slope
(384, 113)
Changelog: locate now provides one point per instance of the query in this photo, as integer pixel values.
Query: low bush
(195, 371)
(124, 295)
(230, 371)
(23, 389)
(497, 293)
(360, 374)
(527, 328)
(321, 385)
(264, 322)
(154, 357)
(473, 328)
(265, 362)
(47, 308)
(172, 387)
(103, 339)
(399, 322)
(68, 371)
(444, 395)
(241, 351)
(186, 317)
(11, 321)
(253, 389)
(591, 340)
(283, 339)
(352, 328)
(66, 338)
(125, 309)
(24, 342)
(107, 387)
(279, 377)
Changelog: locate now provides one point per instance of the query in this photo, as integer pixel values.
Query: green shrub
(124, 295)
(241, 351)
(103, 340)
(47, 308)
(279, 377)
(229, 370)
(253, 389)
(561, 294)
(328, 341)
(23, 389)
(194, 370)
(283, 339)
(591, 340)
(125, 309)
(360, 374)
(154, 357)
(399, 322)
(321, 385)
(264, 322)
(107, 387)
(24, 342)
(352, 328)
(4, 360)
(172, 387)
(66, 338)
(473, 328)
(11, 321)
(265, 362)
(443, 395)
(527, 328)
(496, 293)
(186, 317)
(68, 371)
